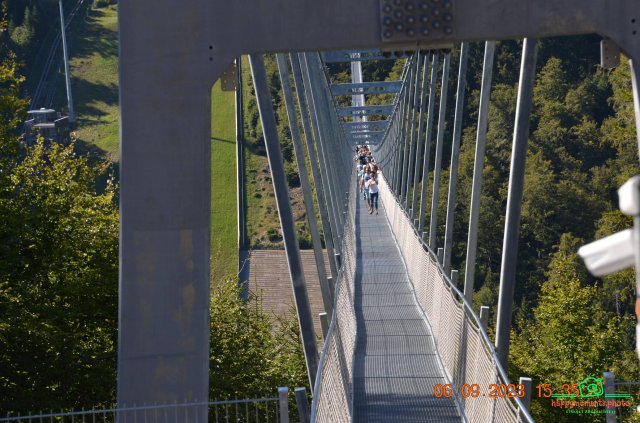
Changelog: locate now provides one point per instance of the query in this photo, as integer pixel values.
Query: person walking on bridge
(372, 185)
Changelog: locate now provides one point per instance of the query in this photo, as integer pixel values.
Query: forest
(59, 233)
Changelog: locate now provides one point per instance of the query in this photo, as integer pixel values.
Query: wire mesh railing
(239, 410)
(333, 399)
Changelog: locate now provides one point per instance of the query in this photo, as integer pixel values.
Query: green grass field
(94, 69)
(224, 228)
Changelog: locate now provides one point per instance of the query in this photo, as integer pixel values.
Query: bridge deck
(395, 364)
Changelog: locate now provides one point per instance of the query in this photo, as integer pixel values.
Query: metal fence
(333, 399)
(467, 354)
(254, 410)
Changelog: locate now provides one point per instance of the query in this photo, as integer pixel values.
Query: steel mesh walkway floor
(395, 366)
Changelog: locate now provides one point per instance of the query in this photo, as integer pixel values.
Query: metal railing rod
(455, 152)
(310, 135)
(514, 198)
(427, 141)
(419, 142)
(305, 183)
(412, 133)
(435, 194)
(478, 166)
(287, 223)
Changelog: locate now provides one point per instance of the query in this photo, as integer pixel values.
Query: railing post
(454, 277)
(484, 317)
(324, 324)
(283, 402)
(526, 400)
(440, 255)
(609, 388)
(332, 285)
(303, 405)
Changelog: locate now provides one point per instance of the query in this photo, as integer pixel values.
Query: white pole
(72, 115)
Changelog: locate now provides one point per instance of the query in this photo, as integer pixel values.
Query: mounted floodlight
(615, 252)
(629, 197)
(610, 254)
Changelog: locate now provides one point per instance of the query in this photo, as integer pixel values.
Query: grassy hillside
(94, 67)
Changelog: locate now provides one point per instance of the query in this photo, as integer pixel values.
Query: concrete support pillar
(165, 118)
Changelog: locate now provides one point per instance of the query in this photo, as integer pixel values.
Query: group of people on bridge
(367, 177)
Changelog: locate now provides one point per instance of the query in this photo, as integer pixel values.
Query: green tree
(58, 267)
(58, 283)
(571, 336)
(250, 356)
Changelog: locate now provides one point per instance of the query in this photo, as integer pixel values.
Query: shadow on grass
(87, 92)
(223, 140)
(96, 39)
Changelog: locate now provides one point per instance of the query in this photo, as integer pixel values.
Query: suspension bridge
(401, 330)
(399, 325)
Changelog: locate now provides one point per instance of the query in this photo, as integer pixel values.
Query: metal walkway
(395, 363)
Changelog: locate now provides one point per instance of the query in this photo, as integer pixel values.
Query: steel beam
(344, 56)
(406, 133)
(374, 125)
(310, 135)
(329, 159)
(381, 87)
(319, 137)
(306, 25)
(514, 199)
(412, 135)
(435, 194)
(351, 111)
(419, 150)
(325, 290)
(478, 167)
(455, 152)
(287, 223)
(427, 141)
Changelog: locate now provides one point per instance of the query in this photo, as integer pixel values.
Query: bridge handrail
(347, 268)
(467, 308)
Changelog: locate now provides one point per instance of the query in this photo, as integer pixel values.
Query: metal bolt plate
(414, 20)
(229, 78)
(609, 54)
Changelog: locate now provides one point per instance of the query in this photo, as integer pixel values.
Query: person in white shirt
(372, 185)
